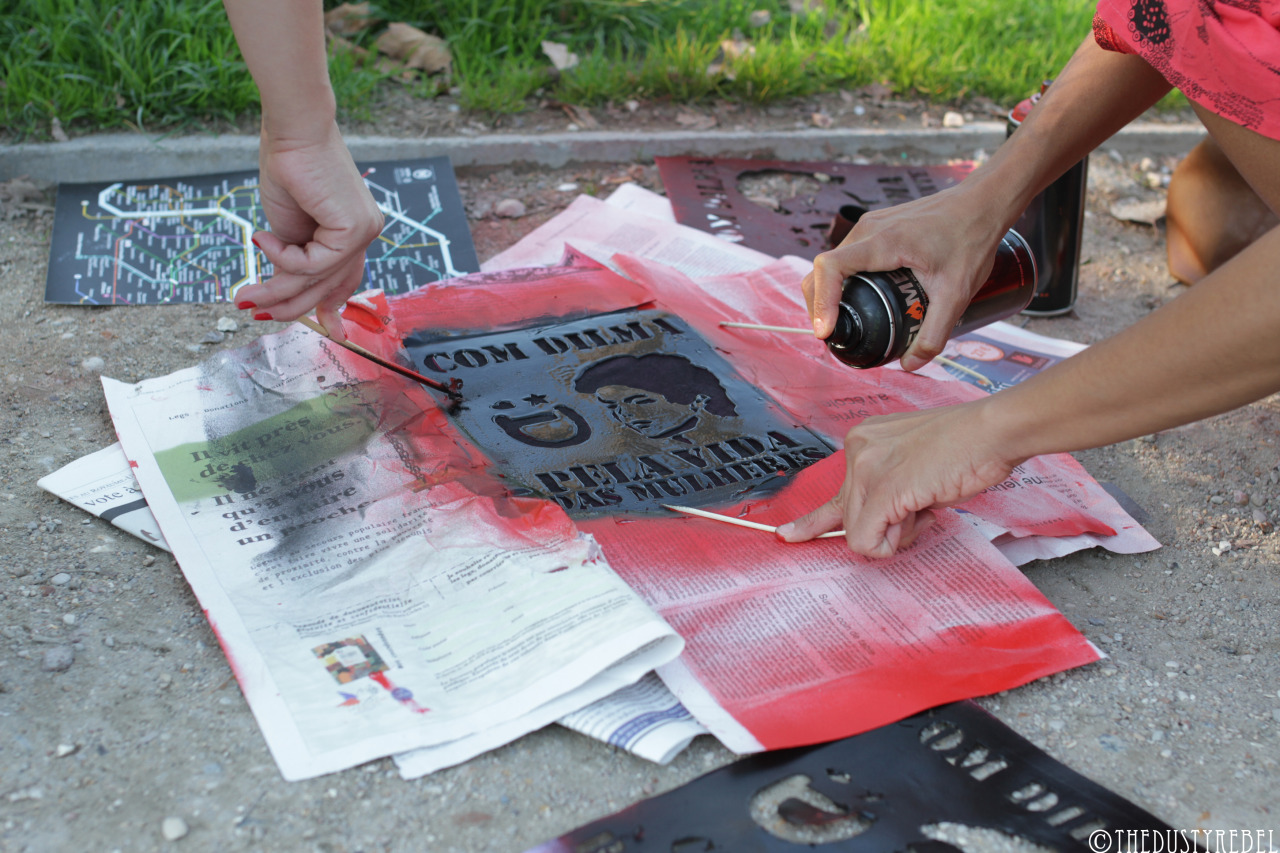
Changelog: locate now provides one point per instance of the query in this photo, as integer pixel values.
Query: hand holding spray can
(880, 312)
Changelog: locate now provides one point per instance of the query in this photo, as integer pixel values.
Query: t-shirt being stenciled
(1223, 54)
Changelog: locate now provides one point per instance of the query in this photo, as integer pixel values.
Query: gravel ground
(121, 727)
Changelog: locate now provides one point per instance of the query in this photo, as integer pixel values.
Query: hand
(322, 217)
(900, 467)
(948, 239)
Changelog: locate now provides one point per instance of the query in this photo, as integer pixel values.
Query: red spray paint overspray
(400, 694)
(578, 286)
(451, 456)
(1005, 633)
(829, 398)
(992, 635)
(491, 302)
(459, 471)
(226, 650)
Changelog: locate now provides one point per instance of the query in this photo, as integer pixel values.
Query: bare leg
(1213, 210)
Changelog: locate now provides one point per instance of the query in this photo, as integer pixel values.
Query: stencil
(705, 194)
(881, 791)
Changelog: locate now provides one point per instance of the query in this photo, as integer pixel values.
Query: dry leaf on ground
(580, 116)
(560, 55)
(23, 194)
(340, 46)
(349, 19)
(21, 189)
(635, 173)
(415, 48)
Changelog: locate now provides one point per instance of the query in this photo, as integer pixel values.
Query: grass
(172, 64)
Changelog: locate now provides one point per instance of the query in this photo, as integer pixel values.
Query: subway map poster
(188, 239)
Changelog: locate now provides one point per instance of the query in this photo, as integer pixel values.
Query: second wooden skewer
(739, 522)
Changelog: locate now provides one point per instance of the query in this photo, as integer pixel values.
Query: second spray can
(881, 312)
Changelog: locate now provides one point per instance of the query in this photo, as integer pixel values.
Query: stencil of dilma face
(657, 395)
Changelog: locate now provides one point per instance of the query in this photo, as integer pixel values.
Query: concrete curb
(131, 156)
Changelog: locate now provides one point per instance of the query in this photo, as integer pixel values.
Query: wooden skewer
(727, 519)
(451, 393)
(942, 359)
(740, 522)
(763, 328)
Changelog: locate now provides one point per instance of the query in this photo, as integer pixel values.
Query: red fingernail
(262, 315)
(254, 241)
(245, 304)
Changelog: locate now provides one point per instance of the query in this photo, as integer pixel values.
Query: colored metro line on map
(183, 240)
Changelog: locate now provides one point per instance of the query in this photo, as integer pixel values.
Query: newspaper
(644, 718)
(755, 288)
(103, 484)
(792, 645)
(1000, 355)
(602, 230)
(372, 585)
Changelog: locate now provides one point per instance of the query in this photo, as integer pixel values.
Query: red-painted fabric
(1222, 54)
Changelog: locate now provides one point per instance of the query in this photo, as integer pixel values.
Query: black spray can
(881, 312)
(1053, 224)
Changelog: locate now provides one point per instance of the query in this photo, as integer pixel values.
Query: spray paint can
(1053, 224)
(881, 312)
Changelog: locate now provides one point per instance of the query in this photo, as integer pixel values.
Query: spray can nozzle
(881, 312)
(848, 329)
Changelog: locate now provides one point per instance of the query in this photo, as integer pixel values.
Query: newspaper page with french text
(374, 586)
(794, 644)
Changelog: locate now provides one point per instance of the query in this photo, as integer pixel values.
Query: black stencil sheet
(872, 793)
(705, 194)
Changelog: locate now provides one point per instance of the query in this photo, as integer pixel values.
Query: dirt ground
(147, 723)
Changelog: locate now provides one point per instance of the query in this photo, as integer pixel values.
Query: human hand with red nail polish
(322, 218)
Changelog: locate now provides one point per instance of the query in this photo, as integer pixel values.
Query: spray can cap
(848, 332)
(865, 334)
